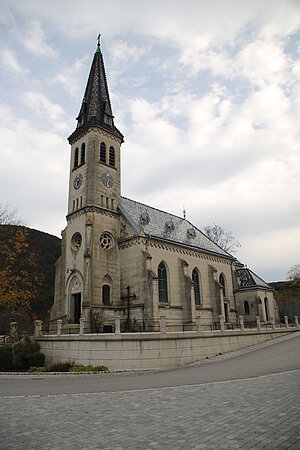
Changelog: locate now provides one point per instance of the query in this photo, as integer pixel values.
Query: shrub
(81, 368)
(21, 351)
(37, 369)
(64, 366)
(6, 357)
(36, 359)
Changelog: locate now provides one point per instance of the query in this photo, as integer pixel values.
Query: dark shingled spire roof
(96, 107)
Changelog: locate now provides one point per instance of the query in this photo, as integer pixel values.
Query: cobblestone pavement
(259, 412)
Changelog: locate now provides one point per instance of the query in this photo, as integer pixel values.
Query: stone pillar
(286, 321)
(162, 324)
(81, 326)
(273, 324)
(258, 322)
(222, 323)
(13, 330)
(59, 324)
(117, 324)
(296, 321)
(37, 328)
(241, 321)
(155, 300)
(222, 304)
(198, 327)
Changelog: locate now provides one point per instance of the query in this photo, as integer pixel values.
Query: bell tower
(89, 278)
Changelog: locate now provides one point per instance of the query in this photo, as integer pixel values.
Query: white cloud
(10, 61)
(70, 76)
(38, 160)
(42, 105)
(121, 51)
(34, 39)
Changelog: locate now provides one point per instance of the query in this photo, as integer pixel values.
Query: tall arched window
(222, 283)
(76, 157)
(112, 156)
(82, 156)
(246, 307)
(267, 308)
(195, 278)
(103, 152)
(162, 283)
(106, 294)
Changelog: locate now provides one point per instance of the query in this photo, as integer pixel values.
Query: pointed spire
(96, 107)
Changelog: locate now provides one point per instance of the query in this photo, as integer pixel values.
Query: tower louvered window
(82, 156)
(103, 152)
(76, 157)
(112, 156)
(162, 283)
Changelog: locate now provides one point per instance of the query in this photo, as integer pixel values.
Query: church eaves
(96, 107)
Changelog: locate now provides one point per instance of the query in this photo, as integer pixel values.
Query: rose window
(106, 241)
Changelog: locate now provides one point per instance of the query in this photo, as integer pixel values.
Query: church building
(122, 258)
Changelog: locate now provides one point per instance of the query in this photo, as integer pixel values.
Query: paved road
(247, 401)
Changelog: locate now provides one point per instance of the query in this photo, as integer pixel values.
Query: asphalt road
(281, 355)
(245, 400)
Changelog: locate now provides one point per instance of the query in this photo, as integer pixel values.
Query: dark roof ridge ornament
(98, 42)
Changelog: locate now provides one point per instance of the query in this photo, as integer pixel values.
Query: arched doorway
(75, 300)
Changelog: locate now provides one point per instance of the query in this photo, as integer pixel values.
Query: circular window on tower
(106, 241)
(76, 241)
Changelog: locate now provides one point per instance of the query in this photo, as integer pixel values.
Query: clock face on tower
(77, 181)
(107, 180)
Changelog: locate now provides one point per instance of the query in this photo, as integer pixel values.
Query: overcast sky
(206, 94)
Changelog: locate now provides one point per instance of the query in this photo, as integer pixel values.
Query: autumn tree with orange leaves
(19, 278)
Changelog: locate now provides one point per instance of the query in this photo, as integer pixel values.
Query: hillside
(287, 295)
(46, 249)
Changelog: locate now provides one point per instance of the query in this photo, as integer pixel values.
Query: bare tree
(294, 273)
(9, 216)
(222, 238)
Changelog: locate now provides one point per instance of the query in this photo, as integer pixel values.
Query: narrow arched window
(106, 294)
(246, 307)
(267, 308)
(103, 152)
(76, 157)
(195, 278)
(82, 156)
(112, 156)
(162, 283)
(222, 283)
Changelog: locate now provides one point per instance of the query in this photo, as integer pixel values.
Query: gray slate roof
(168, 227)
(248, 280)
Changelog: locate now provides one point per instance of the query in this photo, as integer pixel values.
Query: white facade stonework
(123, 259)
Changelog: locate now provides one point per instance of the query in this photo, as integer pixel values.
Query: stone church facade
(123, 258)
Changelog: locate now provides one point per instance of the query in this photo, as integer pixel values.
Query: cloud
(40, 104)
(34, 40)
(70, 76)
(38, 160)
(10, 61)
(121, 51)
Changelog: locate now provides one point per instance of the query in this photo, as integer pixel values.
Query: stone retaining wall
(149, 350)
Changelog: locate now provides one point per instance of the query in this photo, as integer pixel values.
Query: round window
(106, 241)
(76, 241)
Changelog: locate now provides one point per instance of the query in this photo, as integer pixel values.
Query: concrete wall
(149, 350)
